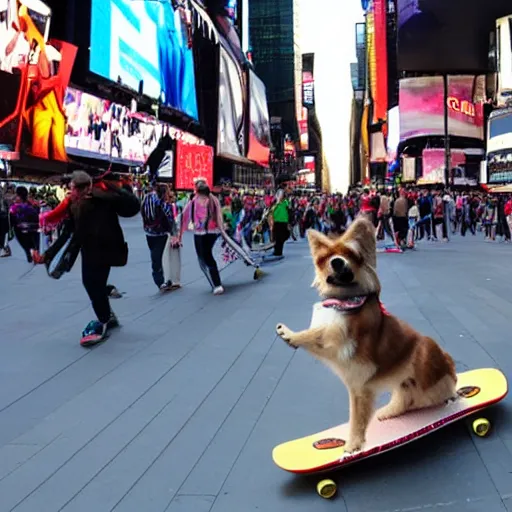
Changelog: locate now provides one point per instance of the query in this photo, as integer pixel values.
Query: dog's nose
(342, 269)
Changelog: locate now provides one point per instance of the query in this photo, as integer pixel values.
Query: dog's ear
(318, 241)
(361, 238)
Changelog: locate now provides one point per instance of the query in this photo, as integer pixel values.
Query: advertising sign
(33, 80)
(422, 107)
(98, 128)
(304, 130)
(434, 167)
(308, 89)
(231, 137)
(259, 121)
(148, 43)
(193, 162)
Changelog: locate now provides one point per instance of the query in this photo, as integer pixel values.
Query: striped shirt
(156, 224)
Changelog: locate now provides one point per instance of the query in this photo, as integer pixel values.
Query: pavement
(180, 409)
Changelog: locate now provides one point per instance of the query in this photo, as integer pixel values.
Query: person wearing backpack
(159, 223)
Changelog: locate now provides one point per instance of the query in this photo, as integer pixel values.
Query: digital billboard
(231, 108)
(422, 107)
(34, 78)
(193, 162)
(259, 122)
(134, 42)
(446, 36)
(308, 89)
(434, 165)
(98, 128)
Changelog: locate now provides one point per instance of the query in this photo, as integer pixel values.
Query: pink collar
(351, 304)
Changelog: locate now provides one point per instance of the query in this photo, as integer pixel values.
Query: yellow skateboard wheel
(326, 488)
(481, 427)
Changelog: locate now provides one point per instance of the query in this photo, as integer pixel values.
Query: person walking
(203, 216)
(94, 211)
(24, 217)
(158, 221)
(281, 217)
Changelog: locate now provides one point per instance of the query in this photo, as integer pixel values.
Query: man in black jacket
(95, 210)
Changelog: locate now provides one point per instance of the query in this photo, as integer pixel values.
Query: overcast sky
(327, 29)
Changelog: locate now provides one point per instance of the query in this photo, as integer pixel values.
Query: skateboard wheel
(257, 274)
(481, 427)
(326, 488)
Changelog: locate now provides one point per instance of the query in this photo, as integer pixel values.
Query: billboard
(308, 89)
(259, 121)
(380, 93)
(446, 36)
(231, 137)
(34, 78)
(193, 161)
(422, 107)
(99, 128)
(434, 167)
(144, 43)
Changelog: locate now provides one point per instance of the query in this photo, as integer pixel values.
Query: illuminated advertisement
(434, 167)
(304, 130)
(33, 79)
(231, 139)
(370, 46)
(308, 89)
(98, 128)
(259, 121)
(380, 91)
(192, 163)
(422, 107)
(148, 43)
(447, 36)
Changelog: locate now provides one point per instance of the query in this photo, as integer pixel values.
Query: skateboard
(321, 452)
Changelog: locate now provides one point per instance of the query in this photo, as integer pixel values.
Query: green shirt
(281, 212)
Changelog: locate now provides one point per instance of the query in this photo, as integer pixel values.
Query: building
(273, 41)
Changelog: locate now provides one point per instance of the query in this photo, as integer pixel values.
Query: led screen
(422, 107)
(134, 42)
(446, 36)
(33, 77)
(102, 129)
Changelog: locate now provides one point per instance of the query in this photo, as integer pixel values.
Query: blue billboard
(133, 42)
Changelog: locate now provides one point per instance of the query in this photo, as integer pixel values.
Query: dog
(370, 350)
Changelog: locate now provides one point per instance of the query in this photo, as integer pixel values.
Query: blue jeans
(156, 246)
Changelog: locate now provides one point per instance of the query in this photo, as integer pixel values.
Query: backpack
(154, 218)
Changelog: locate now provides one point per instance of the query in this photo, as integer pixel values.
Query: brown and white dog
(369, 349)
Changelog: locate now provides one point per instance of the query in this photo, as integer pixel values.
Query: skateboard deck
(476, 389)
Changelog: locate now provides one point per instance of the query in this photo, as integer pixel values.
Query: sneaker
(175, 286)
(166, 287)
(6, 252)
(94, 333)
(218, 290)
(113, 322)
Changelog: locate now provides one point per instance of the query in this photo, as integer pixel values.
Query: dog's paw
(386, 413)
(285, 333)
(354, 445)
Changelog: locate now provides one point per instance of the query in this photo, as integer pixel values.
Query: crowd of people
(240, 222)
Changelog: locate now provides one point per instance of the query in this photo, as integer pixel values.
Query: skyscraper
(273, 30)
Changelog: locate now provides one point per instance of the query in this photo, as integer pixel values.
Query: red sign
(193, 162)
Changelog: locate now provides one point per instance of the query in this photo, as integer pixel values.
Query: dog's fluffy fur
(369, 349)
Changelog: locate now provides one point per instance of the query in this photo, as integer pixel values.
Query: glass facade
(275, 47)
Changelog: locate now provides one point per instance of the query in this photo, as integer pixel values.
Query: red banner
(192, 163)
(381, 61)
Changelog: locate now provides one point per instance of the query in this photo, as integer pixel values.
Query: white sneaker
(218, 290)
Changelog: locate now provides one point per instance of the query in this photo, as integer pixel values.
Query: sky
(327, 29)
